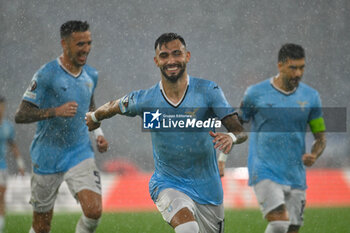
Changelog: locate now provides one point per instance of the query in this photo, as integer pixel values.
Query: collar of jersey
(279, 89)
(65, 69)
(168, 100)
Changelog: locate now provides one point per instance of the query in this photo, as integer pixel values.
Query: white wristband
(98, 132)
(222, 157)
(20, 163)
(234, 138)
(93, 118)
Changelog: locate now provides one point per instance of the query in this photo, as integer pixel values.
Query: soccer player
(280, 109)
(7, 137)
(186, 185)
(60, 94)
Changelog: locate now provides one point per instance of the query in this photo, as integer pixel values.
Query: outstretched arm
(108, 110)
(28, 112)
(317, 148)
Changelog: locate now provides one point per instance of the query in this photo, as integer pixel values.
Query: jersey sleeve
(36, 91)
(129, 104)
(247, 108)
(218, 101)
(316, 121)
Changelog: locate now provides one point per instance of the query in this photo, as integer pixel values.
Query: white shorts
(210, 218)
(44, 188)
(270, 195)
(3, 177)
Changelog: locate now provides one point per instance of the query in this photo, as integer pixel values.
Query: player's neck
(68, 65)
(175, 90)
(278, 83)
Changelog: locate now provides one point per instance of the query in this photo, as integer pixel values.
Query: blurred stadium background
(233, 43)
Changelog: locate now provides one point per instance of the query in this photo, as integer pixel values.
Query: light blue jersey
(277, 139)
(184, 159)
(61, 142)
(7, 134)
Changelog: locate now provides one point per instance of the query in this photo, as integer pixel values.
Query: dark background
(233, 43)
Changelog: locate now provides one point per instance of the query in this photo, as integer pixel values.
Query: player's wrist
(234, 138)
(94, 118)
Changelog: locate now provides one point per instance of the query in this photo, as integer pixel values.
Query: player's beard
(174, 78)
(293, 82)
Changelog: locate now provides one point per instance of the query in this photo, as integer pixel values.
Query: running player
(60, 94)
(7, 137)
(280, 109)
(186, 185)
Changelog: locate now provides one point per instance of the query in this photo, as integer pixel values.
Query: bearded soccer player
(186, 185)
(280, 109)
(60, 94)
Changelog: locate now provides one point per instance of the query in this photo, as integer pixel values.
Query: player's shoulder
(91, 71)
(48, 68)
(259, 87)
(201, 83)
(146, 93)
(306, 88)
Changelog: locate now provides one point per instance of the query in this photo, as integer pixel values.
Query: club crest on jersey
(302, 104)
(89, 85)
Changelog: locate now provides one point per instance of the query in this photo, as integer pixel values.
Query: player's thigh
(295, 203)
(171, 201)
(44, 189)
(270, 195)
(210, 218)
(83, 176)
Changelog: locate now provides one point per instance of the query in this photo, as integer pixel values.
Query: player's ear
(63, 43)
(188, 56)
(156, 61)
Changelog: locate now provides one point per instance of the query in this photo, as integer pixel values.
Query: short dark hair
(73, 26)
(167, 37)
(2, 99)
(290, 51)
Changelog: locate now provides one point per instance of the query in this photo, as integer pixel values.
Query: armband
(93, 118)
(317, 125)
(98, 132)
(222, 157)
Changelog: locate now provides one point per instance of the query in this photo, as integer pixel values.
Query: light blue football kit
(7, 134)
(279, 124)
(185, 159)
(61, 142)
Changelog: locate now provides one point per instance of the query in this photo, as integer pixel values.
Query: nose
(86, 48)
(299, 72)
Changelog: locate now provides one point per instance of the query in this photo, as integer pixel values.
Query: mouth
(172, 68)
(82, 58)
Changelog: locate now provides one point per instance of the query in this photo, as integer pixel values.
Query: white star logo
(156, 115)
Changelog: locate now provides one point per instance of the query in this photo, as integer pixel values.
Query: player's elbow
(19, 117)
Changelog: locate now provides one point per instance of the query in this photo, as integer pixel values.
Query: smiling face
(76, 48)
(171, 58)
(291, 72)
